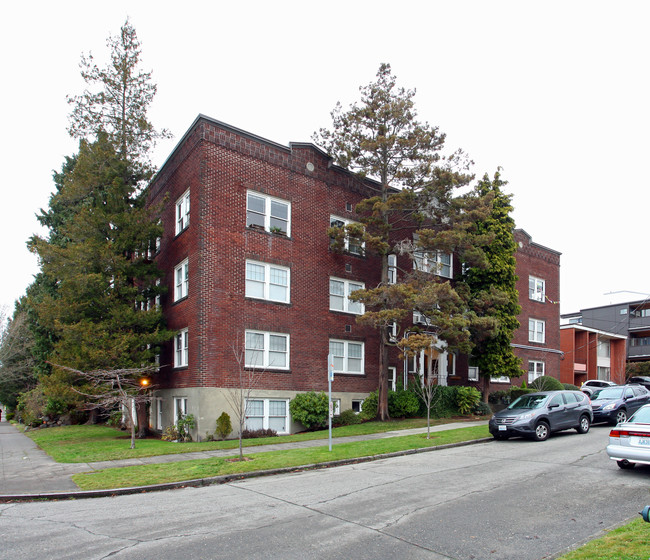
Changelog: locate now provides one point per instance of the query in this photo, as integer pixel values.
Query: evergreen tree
(381, 139)
(117, 101)
(493, 296)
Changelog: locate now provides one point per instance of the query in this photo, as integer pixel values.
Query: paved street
(518, 500)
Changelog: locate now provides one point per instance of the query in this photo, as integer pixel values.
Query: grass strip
(629, 542)
(85, 444)
(143, 475)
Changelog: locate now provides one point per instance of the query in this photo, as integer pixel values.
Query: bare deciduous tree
(247, 379)
(118, 387)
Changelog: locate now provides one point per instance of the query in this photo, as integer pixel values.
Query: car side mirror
(553, 405)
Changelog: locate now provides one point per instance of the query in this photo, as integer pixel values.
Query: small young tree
(246, 379)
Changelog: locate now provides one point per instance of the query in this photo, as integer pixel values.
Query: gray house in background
(631, 319)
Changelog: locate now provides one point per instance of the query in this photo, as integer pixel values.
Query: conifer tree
(493, 296)
(381, 139)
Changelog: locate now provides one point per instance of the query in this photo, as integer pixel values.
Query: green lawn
(204, 468)
(630, 542)
(84, 444)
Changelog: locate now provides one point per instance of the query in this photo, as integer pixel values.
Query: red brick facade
(220, 165)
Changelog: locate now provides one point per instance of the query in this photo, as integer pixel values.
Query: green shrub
(516, 392)
(402, 404)
(546, 383)
(347, 418)
(185, 425)
(170, 433)
(467, 398)
(501, 397)
(261, 433)
(224, 426)
(570, 387)
(369, 406)
(482, 409)
(115, 419)
(31, 407)
(310, 409)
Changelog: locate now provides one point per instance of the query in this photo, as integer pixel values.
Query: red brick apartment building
(249, 271)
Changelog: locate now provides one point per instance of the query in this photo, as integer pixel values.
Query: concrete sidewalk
(28, 472)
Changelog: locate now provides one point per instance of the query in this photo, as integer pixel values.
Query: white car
(592, 385)
(629, 442)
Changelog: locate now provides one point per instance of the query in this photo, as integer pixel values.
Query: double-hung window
(181, 352)
(352, 244)
(268, 213)
(536, 289)
(535, 370)
(180, 408)
(339, 292)
(348, 356)
(536, 330)
(267, 350)
(267, 281)
(434, 262)
(267, 414)
(183, 212)
(181, 279)
(392, 269)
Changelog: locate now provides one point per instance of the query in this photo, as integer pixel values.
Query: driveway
(515, 499)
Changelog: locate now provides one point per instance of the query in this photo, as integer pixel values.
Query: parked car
(629, 442)
(537, 415)
(639, 380)
(592, 385)
(617, 404)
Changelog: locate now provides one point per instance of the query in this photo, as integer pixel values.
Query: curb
(223, 479)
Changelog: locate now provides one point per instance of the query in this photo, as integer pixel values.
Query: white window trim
(181, 280)
(266, 350)
(431, 262)
(267, 210)
(181, 349)
(266, 416)
(539, 366)
(536, 289)
(346, 356)
(500, 379)
(183, 406)
(536, 331)
(346, 245)
(392, 269)
(360, 401)
(472, 373)
(267, 281)
(347, 303)
(182, 212)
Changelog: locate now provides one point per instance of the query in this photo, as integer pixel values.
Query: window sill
(181, 300)
(279, 234)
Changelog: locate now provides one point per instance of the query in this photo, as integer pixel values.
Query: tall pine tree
(380, 138)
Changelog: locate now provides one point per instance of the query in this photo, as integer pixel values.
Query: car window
(571, 398)
(629, 393)
(611, 393)
(528, 401)
(642, 416)
(640, 391)
(557, 399)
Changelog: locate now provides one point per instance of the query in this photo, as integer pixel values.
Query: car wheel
(621, 416)
(583, 427)
(542, 431)
(625, 464)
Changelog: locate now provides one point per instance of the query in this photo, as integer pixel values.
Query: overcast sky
(555, 93)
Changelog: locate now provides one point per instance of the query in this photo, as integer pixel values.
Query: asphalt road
(515, 499)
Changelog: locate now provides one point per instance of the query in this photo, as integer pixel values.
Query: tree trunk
(143, 424)
(382, 393)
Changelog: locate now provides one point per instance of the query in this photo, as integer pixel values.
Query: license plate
(504, 428)
(644, 441)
